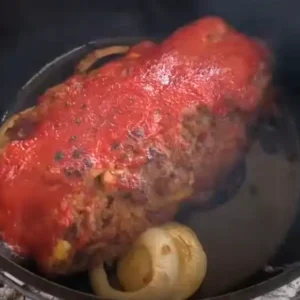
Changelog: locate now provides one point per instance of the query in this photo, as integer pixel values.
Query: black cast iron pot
(269, 239)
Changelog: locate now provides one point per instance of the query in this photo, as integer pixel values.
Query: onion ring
(91, 58)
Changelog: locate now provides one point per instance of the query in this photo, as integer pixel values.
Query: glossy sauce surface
(86, 125)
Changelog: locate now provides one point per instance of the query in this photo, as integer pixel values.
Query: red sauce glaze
(86, 122)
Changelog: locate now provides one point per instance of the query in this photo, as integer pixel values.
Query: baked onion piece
(164, 265)
(192, 260)
(90, 59)
(192, 263)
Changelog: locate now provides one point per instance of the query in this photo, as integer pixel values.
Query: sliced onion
(91, 58)
(164, 263)
(192, 260)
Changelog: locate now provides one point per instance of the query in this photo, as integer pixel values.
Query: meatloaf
(110, 152)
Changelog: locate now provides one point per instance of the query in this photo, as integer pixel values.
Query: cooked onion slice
(91, 58)
(163, 274)
(192, 260)
(192, 263)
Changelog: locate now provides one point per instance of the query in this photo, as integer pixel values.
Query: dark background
(34, 32)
